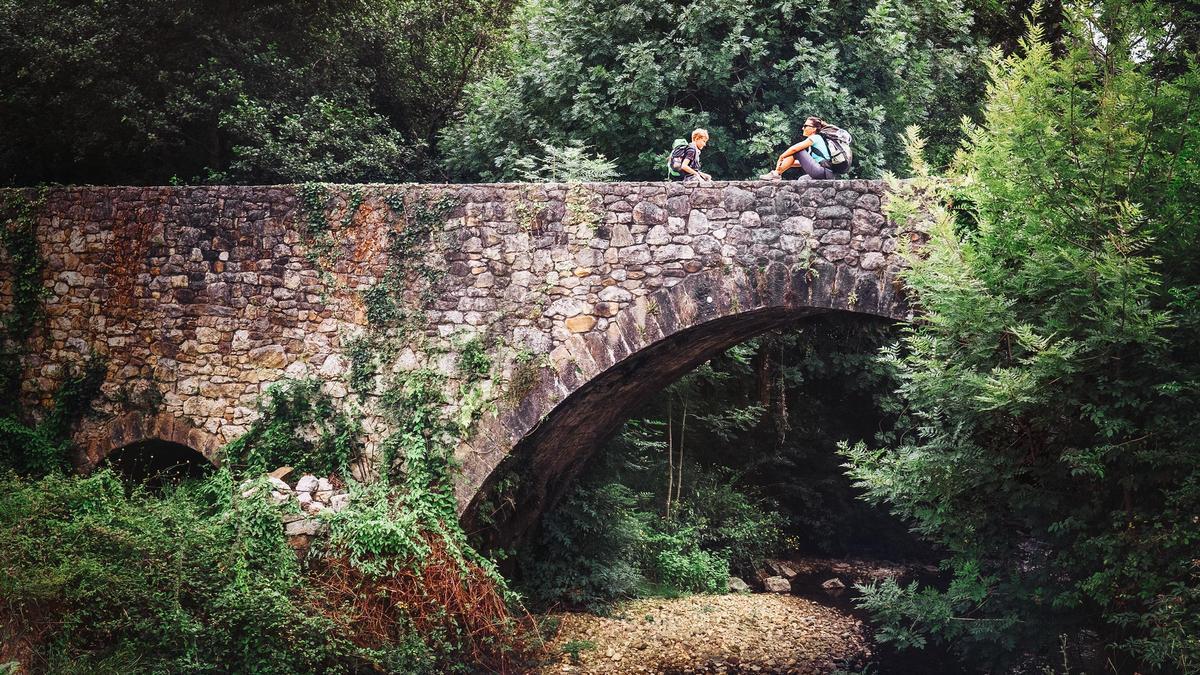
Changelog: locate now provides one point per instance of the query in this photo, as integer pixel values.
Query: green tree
(1052, 375)
(627, 78)
(285, 90)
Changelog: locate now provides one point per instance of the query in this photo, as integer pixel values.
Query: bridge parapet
(201, 297)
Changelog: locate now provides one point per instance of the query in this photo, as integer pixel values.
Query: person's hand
(704, 176)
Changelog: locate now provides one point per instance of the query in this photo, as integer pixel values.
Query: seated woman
(808, 153)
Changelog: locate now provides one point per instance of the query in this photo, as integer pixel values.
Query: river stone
(777, 585)
(782, 568)
(307, 526)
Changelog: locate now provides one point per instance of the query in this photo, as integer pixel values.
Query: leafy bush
(586, 552)
(1050, 382)
(674, 559)
(198, 580)
(571, 162)
(42, 448)
(606, 542)
(744, 527)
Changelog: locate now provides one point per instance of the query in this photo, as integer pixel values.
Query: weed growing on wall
(407, 267)
(41, 448)
(314, 226)
(298, 425)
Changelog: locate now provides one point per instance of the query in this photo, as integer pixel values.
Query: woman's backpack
(840, 154)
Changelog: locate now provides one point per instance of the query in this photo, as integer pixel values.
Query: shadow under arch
(551, 457)
(155, 462)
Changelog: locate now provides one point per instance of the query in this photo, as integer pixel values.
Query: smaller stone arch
(97, 440)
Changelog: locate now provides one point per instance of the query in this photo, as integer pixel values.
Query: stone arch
(596, 380)
(97, 440)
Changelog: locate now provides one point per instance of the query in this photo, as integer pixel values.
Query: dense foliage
(280, 91)
(1052, 379)
(629, 77)
(97, 579)
(287, 411)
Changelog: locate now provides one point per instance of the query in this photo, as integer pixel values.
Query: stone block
(581, 324)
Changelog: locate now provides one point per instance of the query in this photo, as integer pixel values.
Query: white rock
(615, 294)
(658, 235)
(307, 483)
(333, 366)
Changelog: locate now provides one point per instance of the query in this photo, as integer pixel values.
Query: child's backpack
(675, 161)
(840, 154)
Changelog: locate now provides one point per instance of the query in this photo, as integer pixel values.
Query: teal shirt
(819, 150)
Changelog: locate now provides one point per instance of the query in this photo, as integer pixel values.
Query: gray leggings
(810, 166)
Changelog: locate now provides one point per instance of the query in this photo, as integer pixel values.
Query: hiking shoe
(773, 175)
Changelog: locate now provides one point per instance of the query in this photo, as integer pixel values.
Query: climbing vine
(318, 240)
(582, 208)
(407, 244)
(18, 236)
(390, 324)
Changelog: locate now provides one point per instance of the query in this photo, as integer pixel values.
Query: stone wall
(201, 297)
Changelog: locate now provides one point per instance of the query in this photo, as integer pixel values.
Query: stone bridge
(586, 299)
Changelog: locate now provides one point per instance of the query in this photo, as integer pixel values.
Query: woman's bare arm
(802, 145)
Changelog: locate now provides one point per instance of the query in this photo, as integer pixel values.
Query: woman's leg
(811, 167)
(786, 162)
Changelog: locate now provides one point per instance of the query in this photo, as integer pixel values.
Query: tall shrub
(1052, 374)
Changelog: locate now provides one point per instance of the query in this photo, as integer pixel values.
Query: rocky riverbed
(736, 633)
